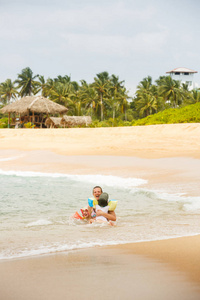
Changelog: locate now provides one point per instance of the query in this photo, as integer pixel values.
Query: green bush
(187, 114)
(29, 125)
(3, 122)
(117, 122)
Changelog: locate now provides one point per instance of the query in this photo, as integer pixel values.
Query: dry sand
(154, 141)
(163, 154)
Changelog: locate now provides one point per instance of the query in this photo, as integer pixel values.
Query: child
(103, 206)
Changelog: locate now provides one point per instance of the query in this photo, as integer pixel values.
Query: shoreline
(171, 174)
(129, 246)
(144, 269)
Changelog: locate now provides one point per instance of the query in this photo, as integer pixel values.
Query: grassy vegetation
(187, 114)
(110, 123)
(3, 122)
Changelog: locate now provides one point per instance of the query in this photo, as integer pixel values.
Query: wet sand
(167, 156)
(113, 272)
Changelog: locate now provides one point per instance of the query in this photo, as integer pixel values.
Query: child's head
(103, 200)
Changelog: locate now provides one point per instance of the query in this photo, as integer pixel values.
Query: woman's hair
(98, 188)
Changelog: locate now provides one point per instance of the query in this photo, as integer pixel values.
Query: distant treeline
(106, 99)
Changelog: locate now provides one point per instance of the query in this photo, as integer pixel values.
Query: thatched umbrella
(53, 122)
(34, 104)
(70, 121)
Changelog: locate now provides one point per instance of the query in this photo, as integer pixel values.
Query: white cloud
(10, 62)
(151, 42)
(131, 38)
(106, 19)
(117, 46)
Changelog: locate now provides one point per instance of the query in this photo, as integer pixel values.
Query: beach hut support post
(8, 120)
(33, 118)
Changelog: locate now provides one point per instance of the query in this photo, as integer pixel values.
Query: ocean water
(36, 210)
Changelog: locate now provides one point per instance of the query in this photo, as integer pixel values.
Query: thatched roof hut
(53, 122)
(32, 109)
(71, 121)
(37, 104)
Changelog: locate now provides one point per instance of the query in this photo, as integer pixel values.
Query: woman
(91, 213)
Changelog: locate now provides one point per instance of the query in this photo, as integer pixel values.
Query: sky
(81, 38)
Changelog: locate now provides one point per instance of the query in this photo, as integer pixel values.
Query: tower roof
(182, 70)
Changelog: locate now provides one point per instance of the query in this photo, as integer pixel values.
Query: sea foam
(11, 158)
(40, 222)
(108, 180)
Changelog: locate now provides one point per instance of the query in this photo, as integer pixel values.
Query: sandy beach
(165, 155)
(144, 271)
(154, 141)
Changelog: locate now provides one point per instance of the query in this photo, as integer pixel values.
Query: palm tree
(42, 86)
(61, 93)
(49, 86)
(115, 92)
(63, 79)
(89, 97)
(74, 95)
(8, 91)
(101, 85)
(195, 96)
(26, 81)
(170, 89)
(147, 100)
(103, 76)
(161, 80)
(116, 85)
(186, 94)
(185, 87)
(123, 101)
(146, 105)
(144, 85)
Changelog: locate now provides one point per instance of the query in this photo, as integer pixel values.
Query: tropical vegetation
(186, 114)
(106, 99)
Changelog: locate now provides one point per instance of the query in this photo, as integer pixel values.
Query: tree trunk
(113, 115)
(101, 97)
(8, 120)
